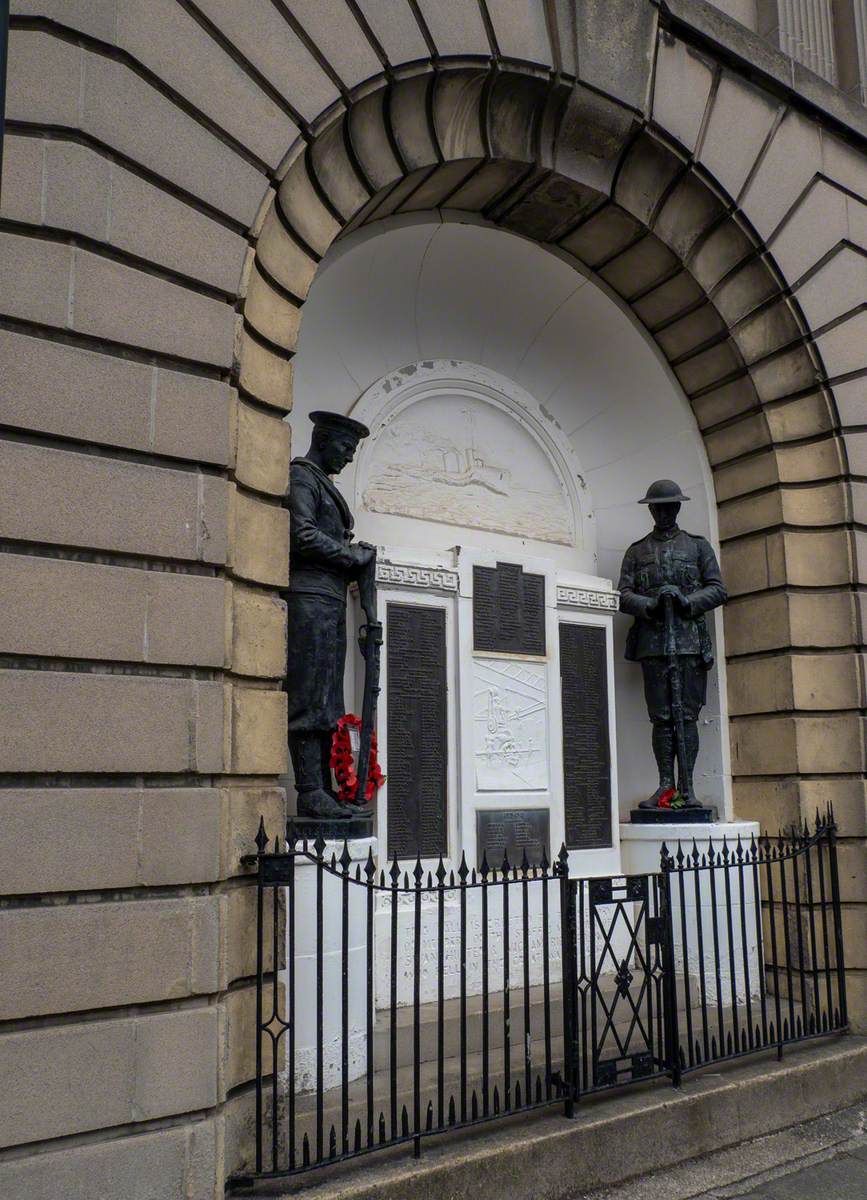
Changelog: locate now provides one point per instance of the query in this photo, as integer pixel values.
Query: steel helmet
(663, 491)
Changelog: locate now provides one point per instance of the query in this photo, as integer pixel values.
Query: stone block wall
(146, 348)
(142, 634)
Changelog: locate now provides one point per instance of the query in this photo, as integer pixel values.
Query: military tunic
(687, 561)
(321, 565)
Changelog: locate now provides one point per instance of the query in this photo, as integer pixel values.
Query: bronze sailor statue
(668, 581)
(323, 561)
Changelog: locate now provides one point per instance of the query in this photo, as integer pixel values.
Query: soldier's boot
(686, 786)
(314, 798)
(663, 752)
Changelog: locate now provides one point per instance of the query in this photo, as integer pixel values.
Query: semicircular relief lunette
(454, 443)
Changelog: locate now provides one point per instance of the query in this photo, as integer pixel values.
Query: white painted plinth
(307, 1017)
(704, 914)
(450, 968)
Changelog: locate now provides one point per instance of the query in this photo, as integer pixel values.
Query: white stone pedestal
(307, 1016)
(702, 915)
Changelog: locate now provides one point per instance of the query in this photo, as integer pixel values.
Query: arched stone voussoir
(268, 311)
(667, 301)
(371, 143)
(744, 289)
(724, 247)
(516, 109)
(303, 209)
(689, 210)
(457, 110)
(707, 368)
(647, 171)
(602, 235)
(767, 330)
(264, 374)
(722, 403)
(745, 476)
(743, 435)
(407, 108)
(788, 373)
(639, 267)
(437, 186)
(282, 256)
(335, 172)
(552, 205)
(484, 186)
(685, 335)
(592, 133)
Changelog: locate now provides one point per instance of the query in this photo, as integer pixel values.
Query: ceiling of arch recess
(404, 291)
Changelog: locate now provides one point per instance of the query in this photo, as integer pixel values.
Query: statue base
(673, 816)
(320, 890)
(333, 830)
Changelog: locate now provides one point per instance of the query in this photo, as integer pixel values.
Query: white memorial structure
(516, 414)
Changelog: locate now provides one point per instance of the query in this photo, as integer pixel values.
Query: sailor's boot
(351, 809)
(663, 752)
(315, 799)
(686, 786)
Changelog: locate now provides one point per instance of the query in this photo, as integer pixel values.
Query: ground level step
(613, 1137)
(465, 1091)
(429, 1017)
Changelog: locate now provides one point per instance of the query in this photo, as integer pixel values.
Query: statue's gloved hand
(681, 601)
(363, 553)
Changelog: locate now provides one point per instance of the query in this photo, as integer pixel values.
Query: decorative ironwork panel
(728, 950)
(508, 610)
(417, 732)
(586, 748)
(626, 981)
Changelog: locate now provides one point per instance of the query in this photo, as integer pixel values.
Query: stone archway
(636, 206)
(143, 528)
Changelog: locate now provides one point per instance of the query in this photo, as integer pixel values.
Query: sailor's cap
(339, 424)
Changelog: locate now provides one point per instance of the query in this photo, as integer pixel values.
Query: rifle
(370, 644)
(675, 683)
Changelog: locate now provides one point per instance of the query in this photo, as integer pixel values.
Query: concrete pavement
(823, 1159)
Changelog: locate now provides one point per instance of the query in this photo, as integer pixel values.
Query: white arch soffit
(398, 391)
(345, 247)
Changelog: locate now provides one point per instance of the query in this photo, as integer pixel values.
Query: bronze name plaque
(512, 832)
(508, 610)
(417, 766)
(586, 746)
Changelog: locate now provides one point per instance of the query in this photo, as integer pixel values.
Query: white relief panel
(510, 725)
(462, 460)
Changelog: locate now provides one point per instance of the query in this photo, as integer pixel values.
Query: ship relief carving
(453, 459)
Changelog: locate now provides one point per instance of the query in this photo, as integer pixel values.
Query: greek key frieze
(412, 575)
(573, 597)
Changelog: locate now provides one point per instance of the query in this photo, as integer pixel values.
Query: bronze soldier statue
(323, 560)
(668, 580)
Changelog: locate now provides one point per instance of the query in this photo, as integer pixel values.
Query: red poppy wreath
(344, 767)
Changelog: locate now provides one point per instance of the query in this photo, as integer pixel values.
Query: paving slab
(825, 1158)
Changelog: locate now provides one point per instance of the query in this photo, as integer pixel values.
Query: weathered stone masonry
(174, 173)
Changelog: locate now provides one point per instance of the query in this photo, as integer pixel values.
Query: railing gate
(626, 934)
(725, 951)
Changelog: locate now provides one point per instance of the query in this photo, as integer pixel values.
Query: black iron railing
(395, 1005)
